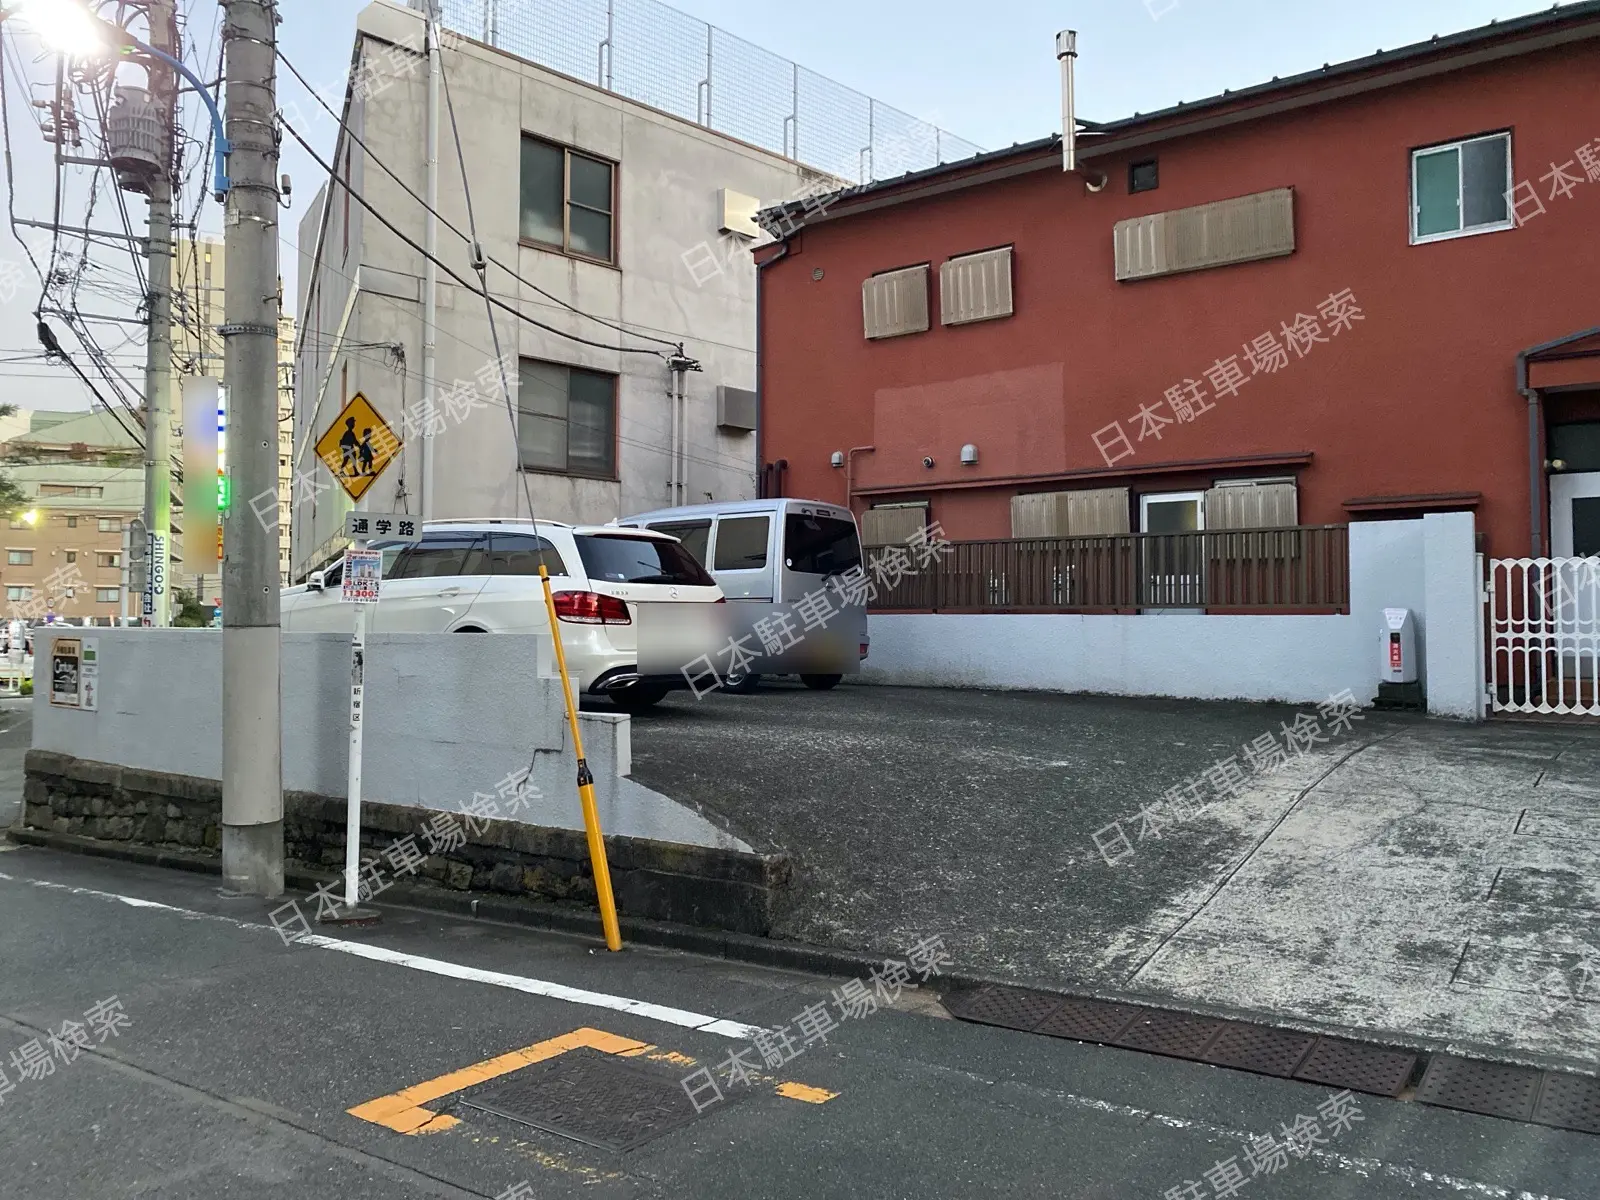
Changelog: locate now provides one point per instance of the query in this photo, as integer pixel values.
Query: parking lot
(1389, 878)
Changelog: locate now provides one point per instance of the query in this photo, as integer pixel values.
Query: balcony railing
(1301, 569)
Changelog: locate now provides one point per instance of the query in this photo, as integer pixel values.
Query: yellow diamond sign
(358, 446)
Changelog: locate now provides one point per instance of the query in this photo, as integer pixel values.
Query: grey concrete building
(630, 229)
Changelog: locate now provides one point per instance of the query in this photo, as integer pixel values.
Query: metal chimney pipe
(1067, 56)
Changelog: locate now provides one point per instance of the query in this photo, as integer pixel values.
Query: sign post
(361, 585)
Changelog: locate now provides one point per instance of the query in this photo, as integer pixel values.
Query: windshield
(820, 545)
(639, 560)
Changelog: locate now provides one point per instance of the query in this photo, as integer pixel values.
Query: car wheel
(740, 684)
(821, 683)
(638, 697)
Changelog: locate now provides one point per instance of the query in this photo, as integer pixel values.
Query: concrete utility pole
(252, 746)
(158, 346)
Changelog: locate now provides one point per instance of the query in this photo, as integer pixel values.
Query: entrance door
(1172, 567)
(1575, 514)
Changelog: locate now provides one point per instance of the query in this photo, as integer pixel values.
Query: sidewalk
(1409, 878)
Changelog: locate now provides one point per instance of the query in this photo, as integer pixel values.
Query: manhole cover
(1010, 1008)
(1088, 1020)
(1260, 1049)
(1359, 1067)
(590, 1097)
(1570, 1102)
(1169, 1033)
(1494, 1089)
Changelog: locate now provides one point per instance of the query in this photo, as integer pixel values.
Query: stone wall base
(661, 881)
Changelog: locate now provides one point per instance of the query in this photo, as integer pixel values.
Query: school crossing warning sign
(358, 446)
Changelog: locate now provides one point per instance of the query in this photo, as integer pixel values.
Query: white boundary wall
(447, 717)
(1428, 566)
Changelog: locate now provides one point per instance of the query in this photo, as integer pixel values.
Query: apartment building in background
(615, 209)
(198, 306)
(83, 476)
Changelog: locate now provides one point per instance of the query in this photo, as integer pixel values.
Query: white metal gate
(1544, 635)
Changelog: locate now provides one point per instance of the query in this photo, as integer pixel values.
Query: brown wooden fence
(1305, 569)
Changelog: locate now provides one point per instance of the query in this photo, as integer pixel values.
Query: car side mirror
(314, 582)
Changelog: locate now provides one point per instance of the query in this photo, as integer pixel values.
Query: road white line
(702, 1022)
(534, 987)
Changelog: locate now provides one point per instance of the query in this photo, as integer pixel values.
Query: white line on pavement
(434, 966)
(534, 987)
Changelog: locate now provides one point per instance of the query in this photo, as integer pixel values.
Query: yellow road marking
(403, 1111)
(801, 1091)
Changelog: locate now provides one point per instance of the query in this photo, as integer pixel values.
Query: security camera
(927, 461)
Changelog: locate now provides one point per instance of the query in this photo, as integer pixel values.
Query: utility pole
(158, 347)
(252, 745)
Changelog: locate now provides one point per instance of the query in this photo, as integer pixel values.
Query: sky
(985, 72)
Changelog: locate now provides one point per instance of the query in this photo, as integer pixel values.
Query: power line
(477, 254)
(470, 239)
(475, 289)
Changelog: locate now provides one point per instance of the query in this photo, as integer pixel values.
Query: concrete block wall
(1426, 565)
(447, 719)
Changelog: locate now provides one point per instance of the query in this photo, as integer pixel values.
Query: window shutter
(975, 287)
(1244, 229)
(1269, 504)
(895, 303)
(1087, 512)
(896, 523)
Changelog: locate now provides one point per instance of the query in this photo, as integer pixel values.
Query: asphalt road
(970, 814)
(240, 1056)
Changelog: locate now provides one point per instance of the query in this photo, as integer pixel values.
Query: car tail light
(863, 649)
(591, 608)
(721, 600)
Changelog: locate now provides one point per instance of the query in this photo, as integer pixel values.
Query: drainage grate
(1010, 1008)
(590, 1097)
(1570, 1102)
(1493, 1089)
(1169, 1033)
(1359, 1067)
(1088, 1020)
(1260, 1049)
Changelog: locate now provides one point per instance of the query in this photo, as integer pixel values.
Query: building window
(72, 556)
(19, 558)
(72, 522)
(566, 420)
(71, 489)
(568, 199)
(107, 595)
(23, 592)
(109, 524)
(1144, 175)
(1461, 188)
(107, 560)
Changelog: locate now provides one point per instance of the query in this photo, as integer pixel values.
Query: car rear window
(617, 559)
(820, 545)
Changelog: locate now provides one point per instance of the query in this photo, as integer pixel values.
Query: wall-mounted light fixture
(838, 458)
(969, 455)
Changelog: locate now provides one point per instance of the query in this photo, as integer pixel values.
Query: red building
(1359, 293)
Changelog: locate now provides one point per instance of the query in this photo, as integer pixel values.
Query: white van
(773, 553)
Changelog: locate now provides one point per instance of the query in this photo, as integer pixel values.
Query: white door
(434, 583)
(1172, 569)
(1575, 514)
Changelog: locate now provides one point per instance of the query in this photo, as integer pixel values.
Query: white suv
(483, 577)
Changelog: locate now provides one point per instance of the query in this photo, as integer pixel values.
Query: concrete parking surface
(239, 1059)
(1404, 877)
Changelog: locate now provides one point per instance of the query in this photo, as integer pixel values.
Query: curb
(785, 955)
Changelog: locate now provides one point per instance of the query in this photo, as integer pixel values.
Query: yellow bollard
(591, 815)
